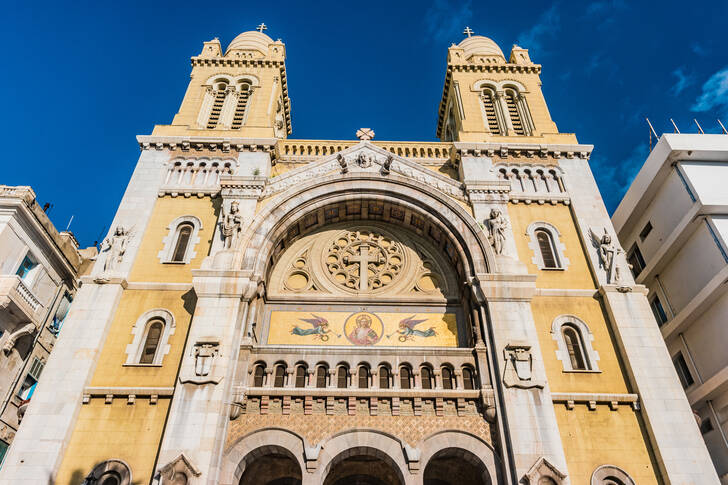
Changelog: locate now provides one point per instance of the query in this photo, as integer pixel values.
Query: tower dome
(477, 45)
(252, 40)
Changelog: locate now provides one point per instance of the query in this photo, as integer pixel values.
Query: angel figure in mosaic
(407, 330)
(320, 328)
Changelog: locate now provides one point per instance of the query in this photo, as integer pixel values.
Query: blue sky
(83, 79)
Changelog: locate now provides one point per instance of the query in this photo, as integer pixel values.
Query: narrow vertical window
(258, 375)
(468, 381)
(426, 375)
(279, 379)
(489, 107)
(183, 239)
(546, 246)
(405, 378)
(363, 377)
(31, 379)
(25, 271)
(635, 260)
(658, 311)
(3, 450)
(341, 377)
(154, 334)
(686, 379)
(575, 347)
(447, 378)
(513, 112)
(383, 377)
(321, 376)
(219, 100)
(243, 95)
(301, 376)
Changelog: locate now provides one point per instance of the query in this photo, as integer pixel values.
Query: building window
(61, 312)
(179, 244)
(468, 378)
(151, 342)
(405, 378)
(490, 114)
(447, 378)
(219, 93)
(548, 250)
(3, 451)
(342, 377)
(27, 388)
(686, 379)
(243, 96)
(511, 98)
(384, 377)
(426, 377)
(301, 376)
(706, 426)
(258, 375)
(635, 260)
(279, 378)
(27, 268)
(646, 231)
(573, 339)
(110, 472)
(610, 475)
(363, 377)
(658, 310)
(321, 376)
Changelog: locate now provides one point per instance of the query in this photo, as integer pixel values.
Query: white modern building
(673, 224)
(39, 269)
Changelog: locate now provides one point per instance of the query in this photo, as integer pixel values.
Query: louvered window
(516, 120)
(154, 334)
(220, 93)
(243, 96)
(489, 106)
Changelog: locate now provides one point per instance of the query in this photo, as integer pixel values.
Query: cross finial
(261, 27)
(468, 31)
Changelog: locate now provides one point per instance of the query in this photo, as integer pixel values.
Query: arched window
(151, 341)
(243, 96)
(546, 246)
(110, 472)
(363, 377)
(321, 376)
(342, 377)
(575, 347)
(219, 93)
(301, 376)
(184, 231)
(610, 475)
(258, 375)
(447, 377)
(405, 377)
(279, 379)
(384, 377)
(490, 114)
(426, 377)
(468, 378)
(516, 121)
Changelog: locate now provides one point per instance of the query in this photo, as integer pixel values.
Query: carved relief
(205, 352)
(518, 371)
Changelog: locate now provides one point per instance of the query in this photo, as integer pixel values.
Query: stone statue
(230, 225)
(115, 247)
(497, 228)
(387, 165)
(607, 252)
(279, 123)
(342, 162)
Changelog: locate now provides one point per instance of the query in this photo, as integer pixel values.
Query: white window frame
(558, 247)
(562, 354)
(165, 255)
(604, 471)
(136, 347)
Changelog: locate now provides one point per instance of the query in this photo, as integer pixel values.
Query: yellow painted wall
(577, 274)
(610, 379)
(604, 437)
(110, 370)
(118, 430)
(147, 266)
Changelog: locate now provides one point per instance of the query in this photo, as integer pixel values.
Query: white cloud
(683, 81)
(715, 94)
(546, 27)
(445, 19)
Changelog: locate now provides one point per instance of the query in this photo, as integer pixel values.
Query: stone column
(199, 413)
(679, 449)
(526, 408)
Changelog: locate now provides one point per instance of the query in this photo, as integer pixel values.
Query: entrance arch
(456, 466)
(270, 465)
(363, 466)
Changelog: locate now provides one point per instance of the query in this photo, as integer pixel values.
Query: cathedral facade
(275, 311)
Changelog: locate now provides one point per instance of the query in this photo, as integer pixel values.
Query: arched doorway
(455, 466)
(363, 466)
(270, 465)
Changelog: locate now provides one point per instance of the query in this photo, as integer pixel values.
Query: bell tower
(487, 98)
(239, 93)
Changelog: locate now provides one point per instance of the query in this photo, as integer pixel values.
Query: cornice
(211, 143)
(525, 150)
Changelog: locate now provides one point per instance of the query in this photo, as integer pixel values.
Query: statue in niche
(115, 248)
(230, 225)
(607, 251)
(497, 230)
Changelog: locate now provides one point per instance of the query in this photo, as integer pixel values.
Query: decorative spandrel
(364, 260)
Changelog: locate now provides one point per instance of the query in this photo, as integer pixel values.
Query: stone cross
(365, 133)
(364, 259)
(261, 27)
(468, 31)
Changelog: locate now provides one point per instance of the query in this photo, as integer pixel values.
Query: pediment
(365, 158)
